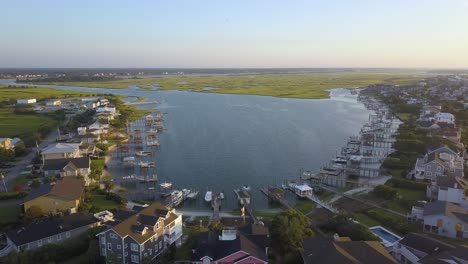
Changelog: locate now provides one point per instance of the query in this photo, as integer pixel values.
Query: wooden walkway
(276, 198)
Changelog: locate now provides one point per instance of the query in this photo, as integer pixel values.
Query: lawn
(9, 213)
(304, 206)
(303, 85)
(365, 220)
(403, 116)
(23, 126)
(100, 201)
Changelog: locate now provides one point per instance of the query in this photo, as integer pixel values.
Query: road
(26, 160)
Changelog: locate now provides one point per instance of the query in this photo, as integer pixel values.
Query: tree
(35, 183)
(20, 149)
(34, 212)
(288, 229)
(108, 183)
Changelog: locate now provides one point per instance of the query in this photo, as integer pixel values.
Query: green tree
(288, 229)
(384, 191)
(34, 212)
(108, 183)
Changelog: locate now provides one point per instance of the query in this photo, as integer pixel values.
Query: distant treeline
(76, 78)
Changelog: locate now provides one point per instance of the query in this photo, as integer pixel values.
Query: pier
(276, 197)
(143, 103)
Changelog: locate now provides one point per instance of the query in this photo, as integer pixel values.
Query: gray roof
(424, 243)
(448, 181)
(50, 227)
(59, 164)
(456, 255)
(442, 208)
(60, 148)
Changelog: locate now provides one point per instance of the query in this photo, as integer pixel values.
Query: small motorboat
(246, 188)
(142, 153)
(192, 195)
(165, 185)
(208, 196)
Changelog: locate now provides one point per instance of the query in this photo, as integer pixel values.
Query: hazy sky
(218, 33)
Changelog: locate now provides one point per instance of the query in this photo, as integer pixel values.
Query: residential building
(69, 167)
(245, 246)
(144, 235)
(26, 101)
(413, 247)
(449, 189)
(5, 143)
(325, 250)
(89, 138)
(457, 255)
(60, 151)
(452, 134)
(53, 102)
(50, 231)
(108, 108)
(439, 162)
(62, 196)
(445, 118)
(442, 218)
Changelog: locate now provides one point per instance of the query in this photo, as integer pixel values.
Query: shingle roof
(210, 245)
(50, 227)
(424, 243)
(60, 148)
(59, 164)
(448, 181)
(442, 207)
(456, 255)
(126, 227)
(325, 250)
(68, 188)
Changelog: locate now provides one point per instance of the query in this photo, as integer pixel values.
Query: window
(150, 251)
(103, 251)
(135, 259)
(439, 168)
(59, 237)
(112, 235)
(67, 234)
(39, 242)
(156, 247)
(109, 246)
(134, 247)
(103, 240)
(126, 245)
(49, 239)
(119, 247)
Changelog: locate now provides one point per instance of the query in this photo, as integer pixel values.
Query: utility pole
(3, 179)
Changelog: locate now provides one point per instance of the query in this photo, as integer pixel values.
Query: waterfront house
(50, 231)
(60, 151)
(449, 189)
(413, 247)
(444, 118)
(26, 101)
(245, 246)
(5, 143)
(53, 102)
(438, 162)
(442, 218)
(69, 167)
(325, 250)
(89, 138)
(61, 196)
(452, 134)
(144, 235)
(303, 190)
(108, 108)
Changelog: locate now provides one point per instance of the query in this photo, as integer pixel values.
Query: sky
(234, 34)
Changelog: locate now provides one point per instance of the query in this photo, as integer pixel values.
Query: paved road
(26, 160)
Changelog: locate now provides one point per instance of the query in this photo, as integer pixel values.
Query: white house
(61, 151)
(443, 218)
(107, 108)
(26, 101)
(53, 102)
(81, 130)
(445, 118)
(448, 189)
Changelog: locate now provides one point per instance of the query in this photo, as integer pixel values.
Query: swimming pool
(388, 238)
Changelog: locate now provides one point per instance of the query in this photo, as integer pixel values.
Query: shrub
(12, 195)
(385, 192)
(18, 188)
(407, 184)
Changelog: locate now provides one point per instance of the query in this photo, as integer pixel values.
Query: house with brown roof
(144, 235)
(61, 196)
(325, 250)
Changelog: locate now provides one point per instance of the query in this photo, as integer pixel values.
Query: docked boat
(153, 143)
(185, 192)
(128, 161)
(246, 188)
(192, 195)
(208, 196)
(339, 160)
(142, 153)
(143, 164)
(165, 185)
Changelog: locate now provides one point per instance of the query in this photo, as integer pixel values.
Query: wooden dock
(276, 197)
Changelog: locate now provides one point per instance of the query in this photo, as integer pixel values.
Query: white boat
(192, 195)
(221, 195)
(165, 185)
(283, 186)
(153, 143)
(143, 164)
(246, 188)
(142, 153)
(185, 192)
(128, 161)
(208, 196)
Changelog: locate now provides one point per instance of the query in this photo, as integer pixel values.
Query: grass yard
(305, 206)
(24, 126)
(414, 195)
(305, 85)
(9, 213)
(403, 116)
(365, 220)
(100, 201)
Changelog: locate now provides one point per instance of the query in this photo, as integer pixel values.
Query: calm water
(222, 141)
